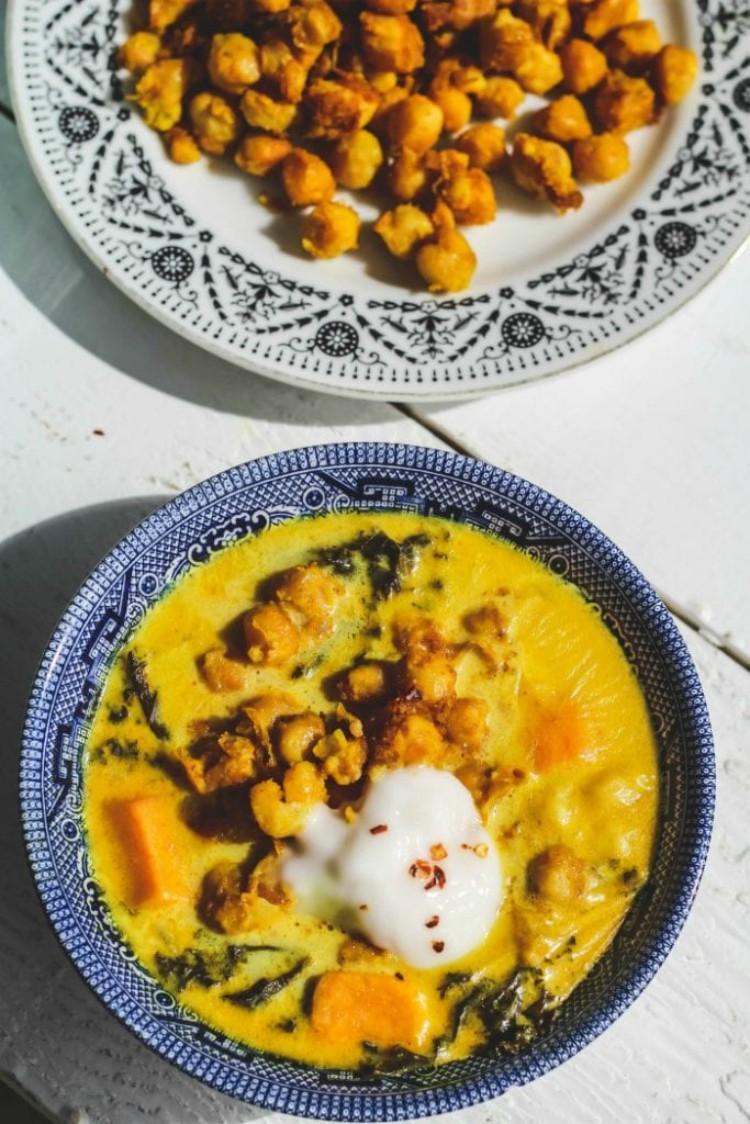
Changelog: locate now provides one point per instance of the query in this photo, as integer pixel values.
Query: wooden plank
(4, 88)
(651, 444)
(676, 1055)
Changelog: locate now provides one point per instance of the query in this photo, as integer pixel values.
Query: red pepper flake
(364, 906)
(438, 945)
(399, 975)
(378, 829)
(98, 432)
(434, 920)
(420, 869)
(438, 852)
(433, 876)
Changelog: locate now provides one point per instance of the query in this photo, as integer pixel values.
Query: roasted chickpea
(337, 108)
(500, 97)
(140, 51)
(622, 104)
(583, 66)
(370, 682)
(391, 42)
(295, 736)
(214, 122)
(282, 811)
(329, 230)
(537, 69)
(484, 145)
(271, 635)
(455, 105)
(264, 113)
(550, 19)
(404, 229)
(391, 7)
(602, 158)
(675, 70)
(219, 671)
(470, 196)
(632, 46)
(160, 93)
(233, 62)
(356, 159)
(543, 168)
(307, 179)
(447, 262)
(260, 154)
(182, 147)
(284, 73)
(558, 875)
(310, 591)
(563, 120)
(163, 13)
(313, 26)
(501, 39)
(602, 16)
(408, 175)
(415, 123)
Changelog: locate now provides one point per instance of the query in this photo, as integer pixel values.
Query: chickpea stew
(383, 94)
(371, 791)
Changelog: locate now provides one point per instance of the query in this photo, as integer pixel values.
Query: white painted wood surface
(650, 442)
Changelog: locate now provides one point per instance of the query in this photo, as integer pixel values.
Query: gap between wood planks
(684, 615)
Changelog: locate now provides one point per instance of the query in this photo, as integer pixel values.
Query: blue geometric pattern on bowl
(307, 482)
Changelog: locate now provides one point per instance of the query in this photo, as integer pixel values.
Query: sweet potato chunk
(560, 736)
(367, 1007)
(146, 828)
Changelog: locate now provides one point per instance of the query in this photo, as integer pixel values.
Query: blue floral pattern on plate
(243, 501)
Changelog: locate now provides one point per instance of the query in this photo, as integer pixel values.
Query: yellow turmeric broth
(299, 667)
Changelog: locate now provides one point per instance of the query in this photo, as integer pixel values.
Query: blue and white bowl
(242, 501)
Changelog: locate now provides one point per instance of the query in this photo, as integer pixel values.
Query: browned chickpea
(563, 120)
(455, 105)
(445, 162)
(182, 147)
(214, 122)
(500, 97)
(602, 158)
(470, 196)
(632, 46)
(296, 735)
(622, 104)
(484, 145)
(260, 154)
(163, 13)
(543, 168)
(501, 38)
(233, 62)
(407, 175)
(537, 69)
(583, 65)
(313, 26)
(558, 875)
(271, 635)
(329, 230)
(447, 262)
(675, 70)
(264, 113)
(602, 16)
(337, 108)
(415, 123)
(272, 7)
(391, 7)
(391, 42)
(307, 179)
(356, 159)
(284, 74)
(160, 92)
(140, 51)
(370, 682)
(550, 20)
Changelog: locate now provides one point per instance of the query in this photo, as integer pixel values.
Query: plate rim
(400, 1104)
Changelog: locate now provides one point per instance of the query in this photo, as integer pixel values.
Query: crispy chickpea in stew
(371, 791)
(383, 93)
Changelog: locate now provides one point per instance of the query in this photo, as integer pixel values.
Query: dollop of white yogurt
(416, 868)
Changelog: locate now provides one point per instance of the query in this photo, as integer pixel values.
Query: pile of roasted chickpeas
(355, 93)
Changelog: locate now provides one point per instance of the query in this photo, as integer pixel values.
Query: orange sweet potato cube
(146, 828)
(367, 1007)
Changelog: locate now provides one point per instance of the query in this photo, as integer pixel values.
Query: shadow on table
(43, 261)
(54, 1035)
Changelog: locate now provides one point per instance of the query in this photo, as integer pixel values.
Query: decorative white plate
(194, 247)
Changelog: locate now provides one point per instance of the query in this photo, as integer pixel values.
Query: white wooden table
(105, 413)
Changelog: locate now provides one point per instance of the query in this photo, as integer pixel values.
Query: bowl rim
(378, 1104)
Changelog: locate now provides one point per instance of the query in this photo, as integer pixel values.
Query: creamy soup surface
(371, 791)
